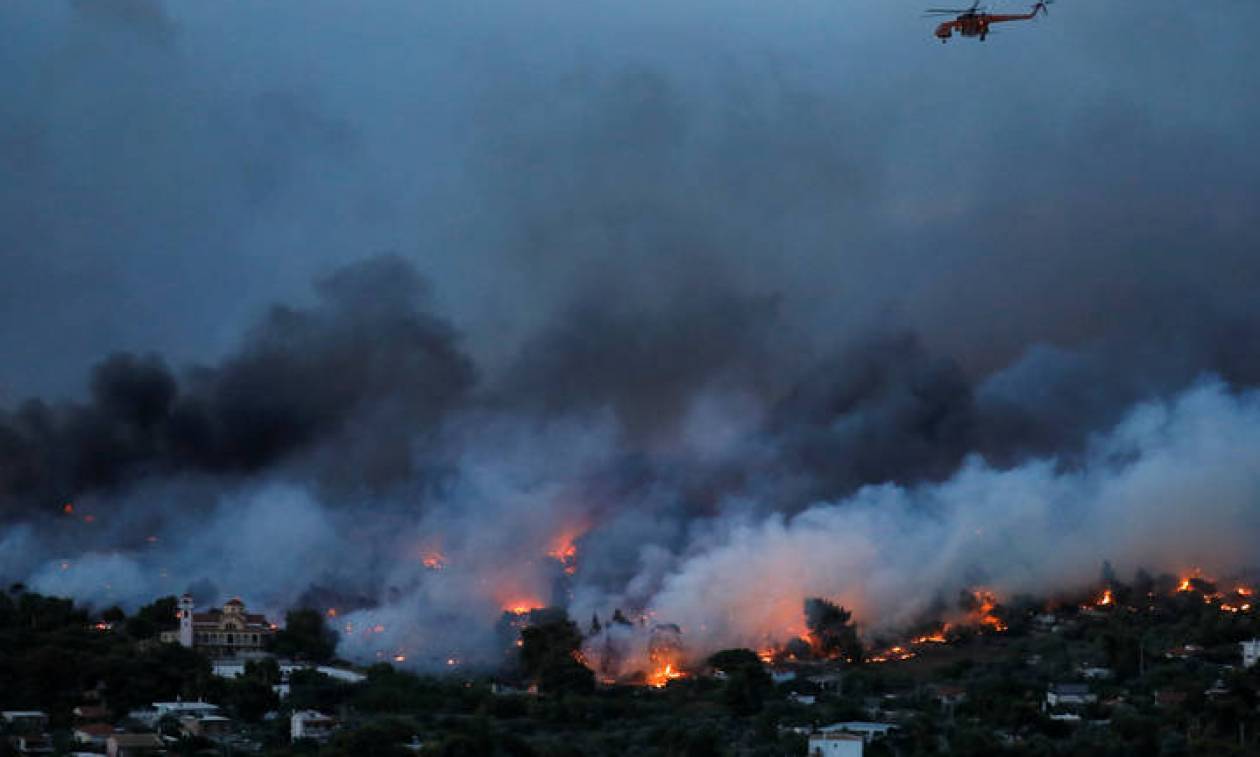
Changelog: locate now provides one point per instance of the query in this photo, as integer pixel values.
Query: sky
(652, 273)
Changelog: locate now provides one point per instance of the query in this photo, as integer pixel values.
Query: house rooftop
(835, 736)
(136, 740)
(1070, 688)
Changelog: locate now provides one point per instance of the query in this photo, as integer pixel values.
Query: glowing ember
(89, 518)
(1244, 591)
(68, 508)
(400, 658)
(897, 653)
(433, 560)
(1185, 585)
(936, 637)
(331, 612)
(766, 655)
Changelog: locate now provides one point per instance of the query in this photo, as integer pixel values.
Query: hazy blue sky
(169, 169)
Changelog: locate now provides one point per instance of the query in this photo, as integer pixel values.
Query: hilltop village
(1156, 666)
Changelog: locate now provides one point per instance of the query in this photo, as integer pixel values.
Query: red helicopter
(975, 22)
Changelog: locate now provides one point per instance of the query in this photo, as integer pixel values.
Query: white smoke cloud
(1175, 486)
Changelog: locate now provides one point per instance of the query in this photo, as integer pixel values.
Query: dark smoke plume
(367, 352)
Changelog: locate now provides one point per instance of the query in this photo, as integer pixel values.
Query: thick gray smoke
(695, 310)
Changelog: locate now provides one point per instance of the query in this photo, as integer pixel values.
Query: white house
(1250, 652)
(93, 734)
(865, 730)
(179, 708)
(1095, 673)
(1069, 694)
(32, 721)
(309, 724)
(835, 745)
(782, 676)
(228, 668)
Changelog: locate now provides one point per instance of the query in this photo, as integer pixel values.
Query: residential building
(309, 724)
(1094, 672)
(782, 676)
(213, 727)
(33, 743)
(134, 745)
(865, 730)
(91, 713)
(835, 745)
(1069, 695)
(1250, 652)
(25, 721)
(180, 708)
(93, 734)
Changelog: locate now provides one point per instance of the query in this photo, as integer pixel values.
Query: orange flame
(984, 615)
(898, 653)
(521, 607)
(936, 637)
(662, 676)
(1105, 599)
(564, 551)
(433, 560)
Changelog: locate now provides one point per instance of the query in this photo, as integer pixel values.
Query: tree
(549, 654)
(747, 682)
(305, 636)
(831, 627)
(154, 618)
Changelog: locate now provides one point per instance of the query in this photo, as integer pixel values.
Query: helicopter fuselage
(976, 24)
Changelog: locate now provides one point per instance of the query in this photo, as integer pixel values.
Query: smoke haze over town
(429, 312)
